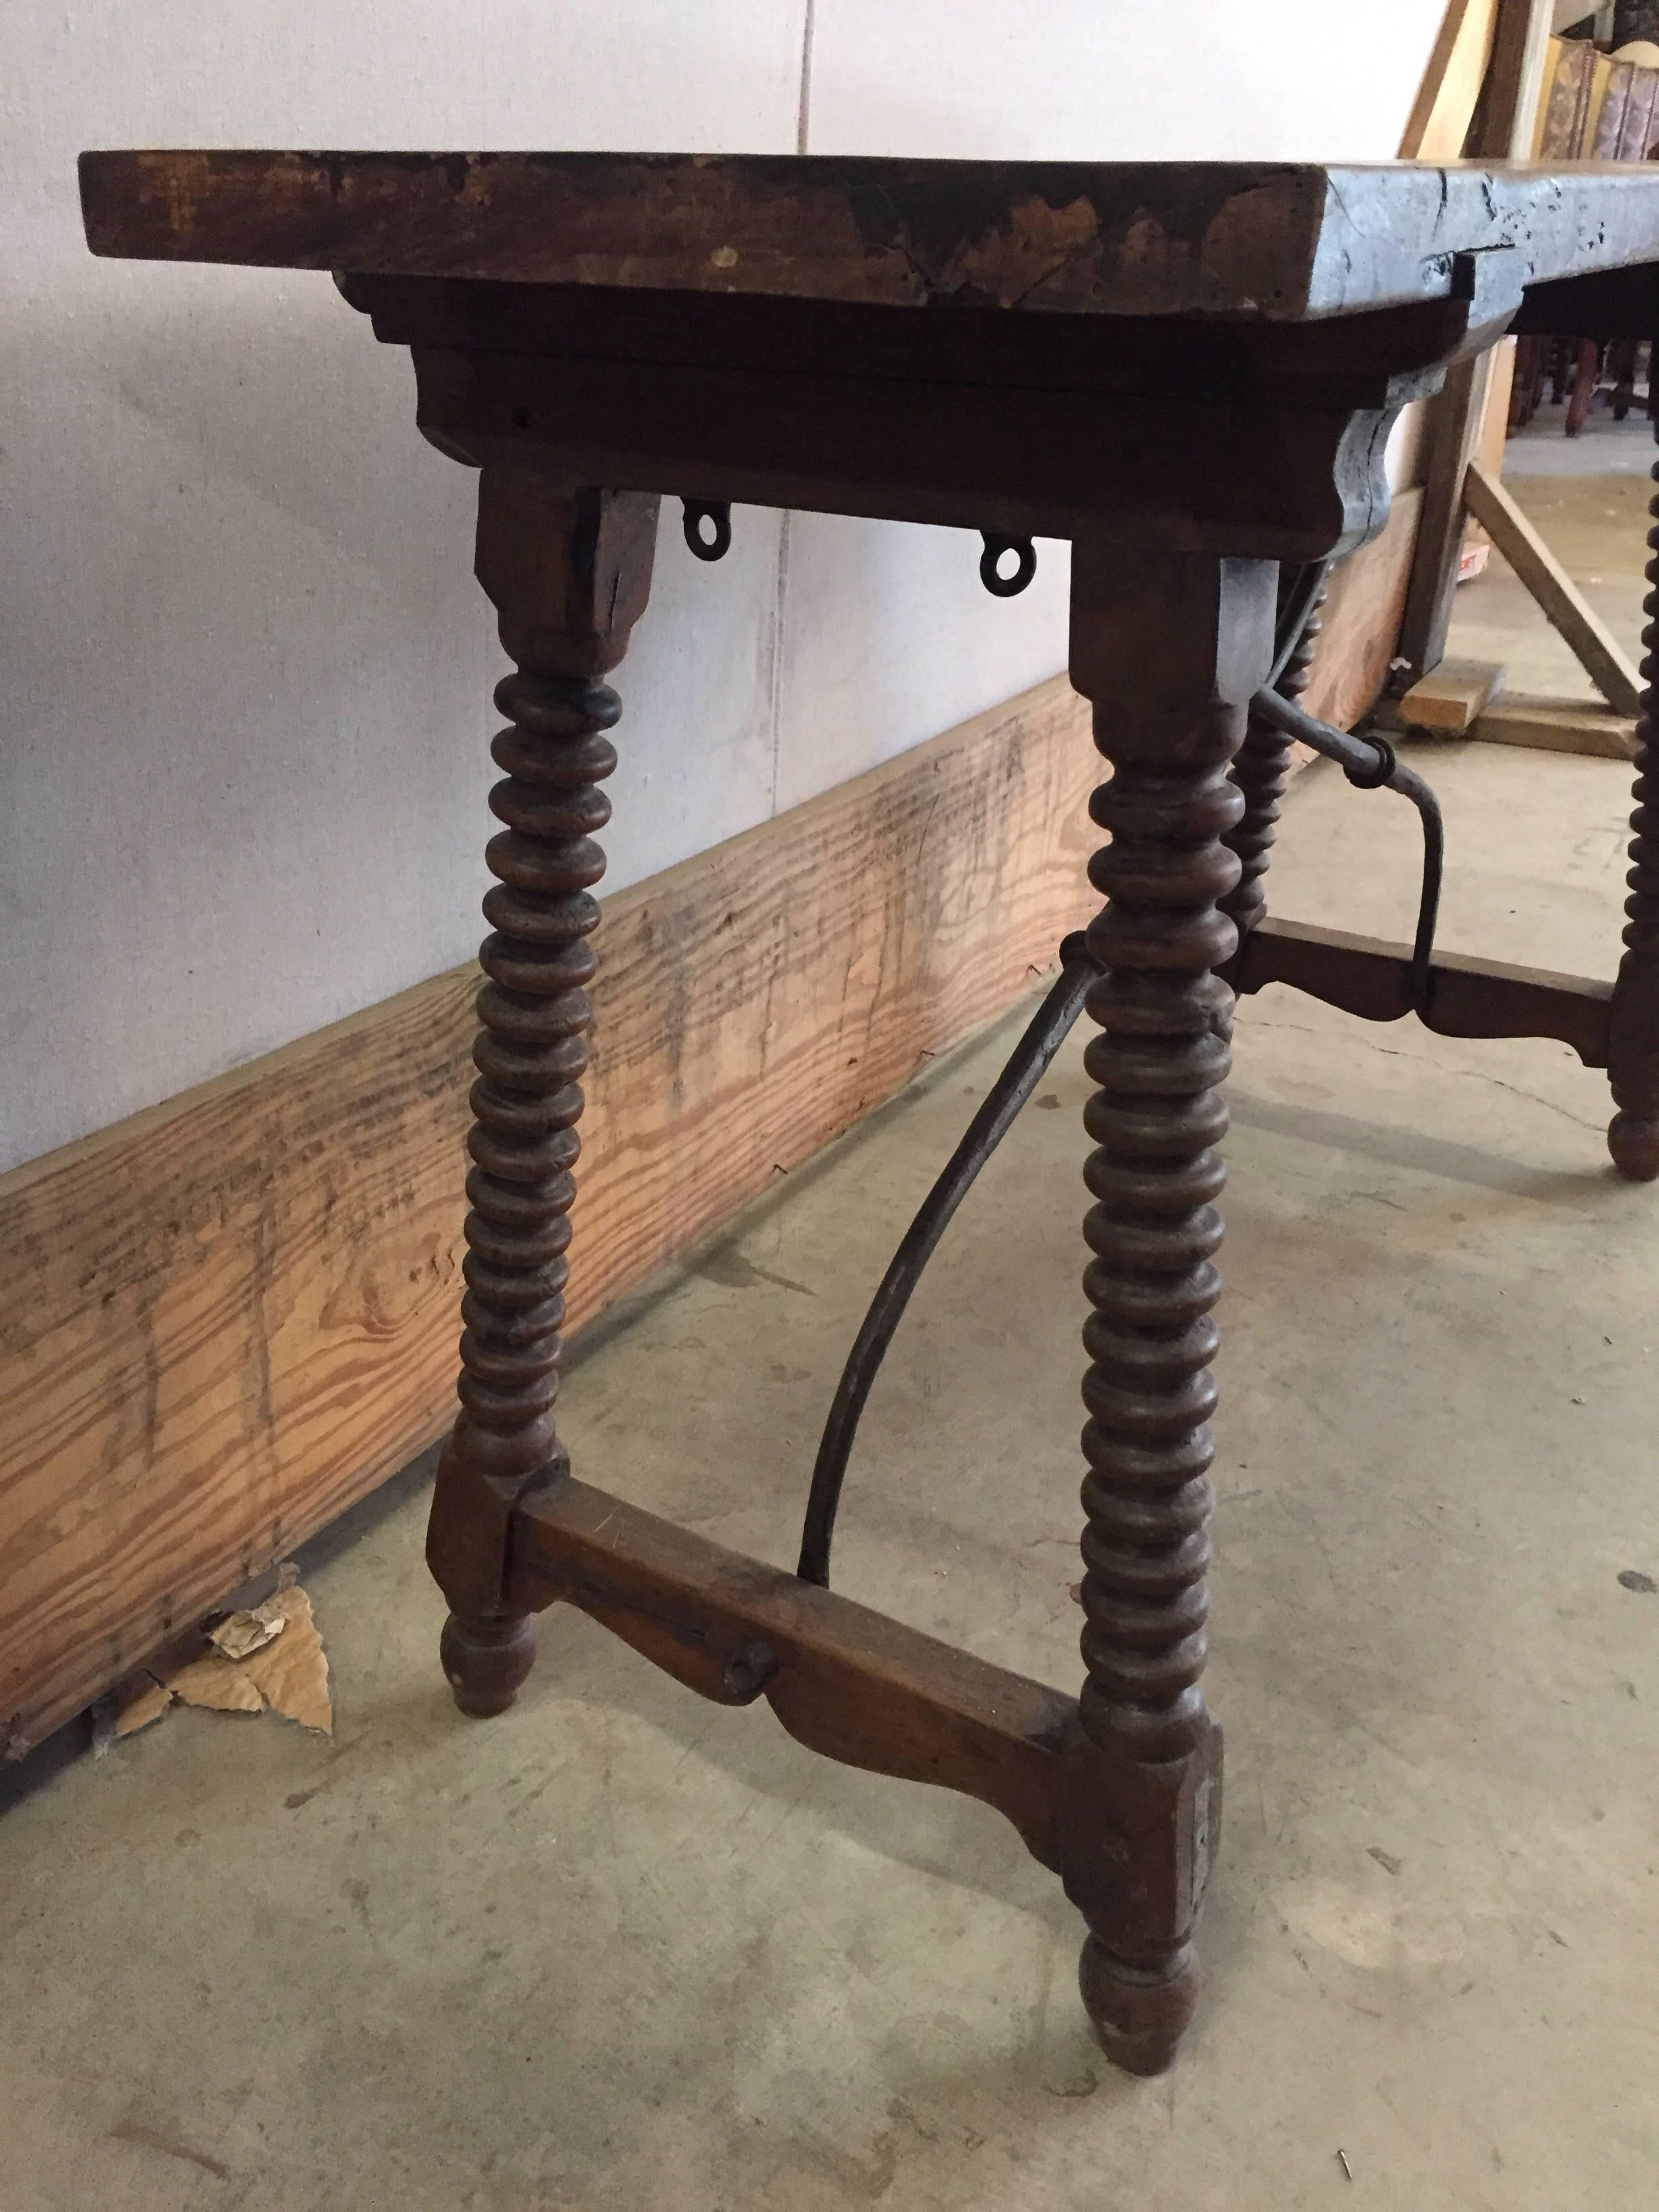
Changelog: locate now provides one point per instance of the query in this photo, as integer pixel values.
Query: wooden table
(1189, 371)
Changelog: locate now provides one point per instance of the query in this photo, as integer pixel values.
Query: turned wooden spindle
(1261, 769)
(569, 574)
(1633, 1042)
(1169, 649)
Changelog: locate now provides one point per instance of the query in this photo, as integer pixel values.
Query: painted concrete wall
(245, 671)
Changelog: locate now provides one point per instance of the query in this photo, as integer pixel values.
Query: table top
(1280, 242)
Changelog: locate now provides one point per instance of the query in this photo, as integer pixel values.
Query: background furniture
(1594, 108)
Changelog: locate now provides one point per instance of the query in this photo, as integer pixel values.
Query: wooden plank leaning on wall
(235, 1314)
(1446, 99)
(1439, 123)
(1502, 129)
(232, 1316)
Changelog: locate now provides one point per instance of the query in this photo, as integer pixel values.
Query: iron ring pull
(997, 543)
(718, 514)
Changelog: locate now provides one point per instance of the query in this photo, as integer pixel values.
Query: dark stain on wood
(1284, 241)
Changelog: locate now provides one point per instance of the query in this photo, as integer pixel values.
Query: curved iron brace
(1027, 1064)
(1369, 763)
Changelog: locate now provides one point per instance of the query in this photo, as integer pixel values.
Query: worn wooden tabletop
(1283, 242)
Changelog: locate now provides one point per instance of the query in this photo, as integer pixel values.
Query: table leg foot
(1633, 1141)
(487, 1657)
(1138, 2016)
(1138, 1837)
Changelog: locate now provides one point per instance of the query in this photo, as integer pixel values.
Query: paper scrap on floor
(272, 1657)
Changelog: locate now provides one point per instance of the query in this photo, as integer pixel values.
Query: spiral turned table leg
(1169, 669)
(562, 570)
(1262, 770)
(1634, 1045)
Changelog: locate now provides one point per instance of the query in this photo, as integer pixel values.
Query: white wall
(244, 699)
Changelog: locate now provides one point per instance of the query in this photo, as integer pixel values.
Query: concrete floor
(621, 1949)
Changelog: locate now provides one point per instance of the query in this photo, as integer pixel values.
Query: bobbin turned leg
(1169, 648)
(569, 572)
(1633, 1038)
(1262, 770)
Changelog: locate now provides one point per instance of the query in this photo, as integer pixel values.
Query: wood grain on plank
(1435, 132)
(1362, 618)
(1275, 241)
(1556, 725)
(229, 1317)
(1445, 103)
(1503, 130)
(1446, 702)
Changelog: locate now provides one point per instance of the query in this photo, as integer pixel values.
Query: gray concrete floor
(621, 1949)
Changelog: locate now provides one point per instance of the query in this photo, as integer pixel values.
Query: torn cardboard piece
(270, 1657)
(291, 1674)
(239, 1635)
(215, 1683)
